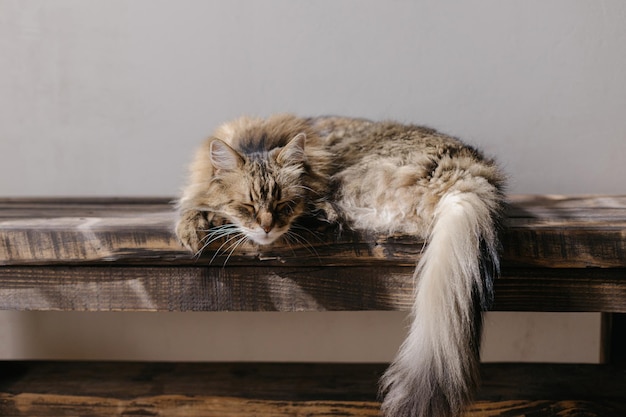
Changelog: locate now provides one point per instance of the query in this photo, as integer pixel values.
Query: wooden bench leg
(617, 338)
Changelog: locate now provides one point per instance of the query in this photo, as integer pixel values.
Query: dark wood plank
(121, 254)
(569, 232)
(46, 405)
(149, 389)
(98, 288)
(128, 380)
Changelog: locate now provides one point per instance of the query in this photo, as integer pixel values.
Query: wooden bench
(560, 254)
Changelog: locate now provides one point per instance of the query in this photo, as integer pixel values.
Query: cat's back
(389, 174)
(337, 143)
(251, 135)
(354, 139)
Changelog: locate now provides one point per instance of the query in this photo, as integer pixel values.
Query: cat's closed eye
(247, 209)
(284, 207)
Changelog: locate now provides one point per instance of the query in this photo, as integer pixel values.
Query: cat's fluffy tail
(436, 370)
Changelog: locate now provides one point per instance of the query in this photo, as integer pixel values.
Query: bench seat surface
(560, 254)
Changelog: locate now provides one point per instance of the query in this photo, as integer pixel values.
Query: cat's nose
(266, 221)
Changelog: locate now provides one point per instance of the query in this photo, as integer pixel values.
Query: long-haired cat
(254, 178)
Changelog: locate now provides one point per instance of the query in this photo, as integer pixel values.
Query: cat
(254, 178)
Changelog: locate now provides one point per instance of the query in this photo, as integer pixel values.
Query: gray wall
(111, 97)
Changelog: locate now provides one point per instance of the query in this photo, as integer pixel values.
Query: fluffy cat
(254, 178)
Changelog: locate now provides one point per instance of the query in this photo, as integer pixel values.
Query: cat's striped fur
(254, 177)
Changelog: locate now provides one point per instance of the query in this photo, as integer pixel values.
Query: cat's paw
(191, 229)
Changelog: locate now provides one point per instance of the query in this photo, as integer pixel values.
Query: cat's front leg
(193, 226)
(191, 229)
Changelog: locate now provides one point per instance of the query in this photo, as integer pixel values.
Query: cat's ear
(223, 157)
(293, 152)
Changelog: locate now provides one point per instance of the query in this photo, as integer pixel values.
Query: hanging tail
(436, 370)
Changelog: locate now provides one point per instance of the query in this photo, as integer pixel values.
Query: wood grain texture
(132, 288)
(541, 231)
(204, 389)
(44, 405)
(560, 254)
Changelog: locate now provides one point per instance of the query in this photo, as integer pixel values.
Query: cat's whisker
(288, 240)
(199, 252)
(317, 235)
(302, 241)
(212, 237)
(218, 233)
(217, 229)
(234, 247)
(217, 251)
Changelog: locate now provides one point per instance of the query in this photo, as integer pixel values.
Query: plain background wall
(111, 98)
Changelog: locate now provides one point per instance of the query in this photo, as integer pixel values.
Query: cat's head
(261, 193)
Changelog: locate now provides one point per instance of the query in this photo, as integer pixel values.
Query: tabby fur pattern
(254, 178)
